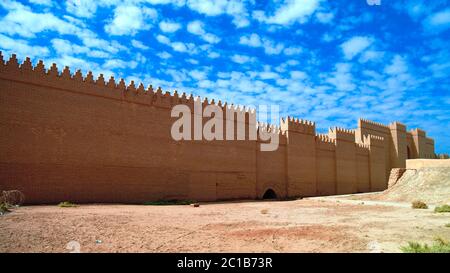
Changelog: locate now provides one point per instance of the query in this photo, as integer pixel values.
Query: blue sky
(326, 61)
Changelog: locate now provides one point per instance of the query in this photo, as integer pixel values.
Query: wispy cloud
(289, 12)
(438, 22)
(169, 26)
(242, 59)
(198, 28)
(128, 20)
(355, 46)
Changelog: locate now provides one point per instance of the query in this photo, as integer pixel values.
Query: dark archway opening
(409, 152)
(270, 194)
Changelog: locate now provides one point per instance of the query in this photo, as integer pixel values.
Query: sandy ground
(308, 225)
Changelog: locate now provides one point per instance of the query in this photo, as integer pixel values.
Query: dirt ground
(308, 225)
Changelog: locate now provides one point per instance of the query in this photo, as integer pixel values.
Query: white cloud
(331, 36)
(164, 55)
(128, 20)
(272, 48)
(289, 12)
(116, 63)
(65, 47)
(91, 40)
(342, 78)
(177, 75)
(177, 46)
(42, 2)
(192, 61)
(398, 79)
(293, 50)
(235, 8)
(292, 62)
(198, 75)
(287, 66)
(438, 21)
(414, 8)
(254, 40)
(169, 26)
(241, 21)
(181, 47)
(177, 3)
(22, 21)
(209, 7)
(355, 45)
(440, 70)
(241, 59)
(163, 39)
(371, 55)
(138, 44)
(397, 66)
(325, 17)
(21, 47)
(298, 75)
(197, 28)
(82, 8)
(79, 63)
(213, 55)
(268, 75)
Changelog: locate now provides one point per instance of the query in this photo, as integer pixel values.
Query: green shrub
(439, 246)
(4, 208)
(419, 205)
(169, 202)
(447, 225)
(443, 208)
(67, 204)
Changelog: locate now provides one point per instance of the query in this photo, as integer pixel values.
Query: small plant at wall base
(439, 246)
(419, 205)
(4, 208)
(12, 197)
(443, 208)
(67, 204)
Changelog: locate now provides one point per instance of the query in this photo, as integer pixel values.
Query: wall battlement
(266, 129)
(325, 139)
(372, 140)
(418, 132)
(397, 126)
(69, 136)
(341, 134)
(298, 125)
(373, 126)
(323, 142)
(52, 77)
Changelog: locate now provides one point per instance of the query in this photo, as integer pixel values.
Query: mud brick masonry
(65, 137)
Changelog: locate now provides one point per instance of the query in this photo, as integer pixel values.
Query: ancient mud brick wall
(69, 137)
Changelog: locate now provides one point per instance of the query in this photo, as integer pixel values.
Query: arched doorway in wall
(270, 194)
(408, 150)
